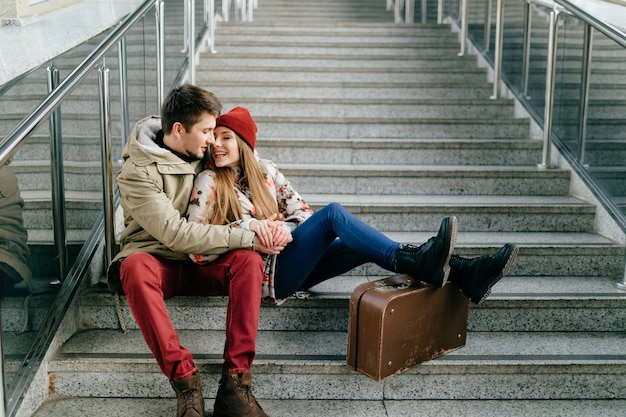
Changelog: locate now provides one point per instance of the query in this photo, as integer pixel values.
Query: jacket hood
(142, 149)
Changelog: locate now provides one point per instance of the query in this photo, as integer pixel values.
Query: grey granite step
(357, 151)
(317, 150)
(339, 107)
(281, 60)
(352, 75)
(345, 50)
(373, 127)
(357, 36)
(420, 180)
(351, 178)
(518, 304)
(361, 108)
(58, 406)
(492, 365)
(241, 91)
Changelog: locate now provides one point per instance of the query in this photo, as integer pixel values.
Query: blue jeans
(331, 242)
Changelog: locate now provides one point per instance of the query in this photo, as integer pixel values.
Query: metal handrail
(104, 226)
(8, 146)
(556, 8)
(597, 24)
(15, 138)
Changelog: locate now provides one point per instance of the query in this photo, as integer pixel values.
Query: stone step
(504, 365)
(340, 107)
(388, 213)
(321, 29)
(281, 60)
(400, 151)
(346, 75)
(425, 180)
(393, 36)
(476, 213)
(351, 179)
(58, 406)
(442, 128)
(434, 50)
(249, 89)
(518, 304)
(357, 151)
(374, 127)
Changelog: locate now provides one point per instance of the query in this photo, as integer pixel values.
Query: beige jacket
(155, 186)
(14, 250)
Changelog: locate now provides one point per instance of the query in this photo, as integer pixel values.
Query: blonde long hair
(227, 207)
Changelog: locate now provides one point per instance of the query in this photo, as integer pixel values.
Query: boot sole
(452, 230)
(513, 251)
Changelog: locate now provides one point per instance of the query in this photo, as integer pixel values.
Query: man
(162, 157)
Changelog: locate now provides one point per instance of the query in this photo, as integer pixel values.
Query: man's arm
(144, 199)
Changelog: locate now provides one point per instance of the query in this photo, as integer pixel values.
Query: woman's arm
(291, 205)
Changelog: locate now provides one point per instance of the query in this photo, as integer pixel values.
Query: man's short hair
(186, 104)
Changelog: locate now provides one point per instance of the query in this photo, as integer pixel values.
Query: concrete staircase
(390, 122)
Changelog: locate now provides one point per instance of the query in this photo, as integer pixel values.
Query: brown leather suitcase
(394, 326)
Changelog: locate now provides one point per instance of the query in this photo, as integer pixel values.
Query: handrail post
(191, 49)
(424, 11)
(464, 25)
(107, 165)
(57, 175)
(409, 8)
(211, 25)
(584, 91)
(487, 29)
(159, 8)
(528, 18)
(549, 97)
(226, 10)
(440, 12)
(398, 6)
(497, 53)
(123, 71)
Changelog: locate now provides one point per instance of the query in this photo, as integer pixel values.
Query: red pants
(148, 280)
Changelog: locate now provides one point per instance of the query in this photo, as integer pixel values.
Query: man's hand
(270, 233)
(269, 250)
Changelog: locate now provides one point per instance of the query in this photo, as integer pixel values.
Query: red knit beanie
(240, 121)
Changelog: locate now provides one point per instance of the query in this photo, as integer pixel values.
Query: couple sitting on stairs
(205, 216)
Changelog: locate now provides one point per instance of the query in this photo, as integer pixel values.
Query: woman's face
(225, 149)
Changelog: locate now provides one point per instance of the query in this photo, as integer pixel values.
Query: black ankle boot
(476, 276)
(429, 262)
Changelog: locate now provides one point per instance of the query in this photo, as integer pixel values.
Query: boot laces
(189, 398)
(412, 249)
(246, 392)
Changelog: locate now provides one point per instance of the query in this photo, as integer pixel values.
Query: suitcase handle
(396, 281)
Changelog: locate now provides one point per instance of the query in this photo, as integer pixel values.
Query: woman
(241, 189)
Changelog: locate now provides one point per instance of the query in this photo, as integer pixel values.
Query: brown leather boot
(235, 399)
(189, 401)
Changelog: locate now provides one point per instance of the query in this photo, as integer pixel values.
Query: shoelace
(189, 398)
(248, 395)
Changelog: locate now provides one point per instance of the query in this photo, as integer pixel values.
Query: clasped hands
(270, 235)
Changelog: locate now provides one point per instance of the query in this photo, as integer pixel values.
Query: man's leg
(239, 274)
(147, 281)
(242, 274)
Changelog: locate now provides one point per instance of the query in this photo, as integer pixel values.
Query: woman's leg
(359, 243)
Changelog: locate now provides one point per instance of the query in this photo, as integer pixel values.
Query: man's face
(195, 142)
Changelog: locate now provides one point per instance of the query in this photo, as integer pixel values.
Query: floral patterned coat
(292, 209)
